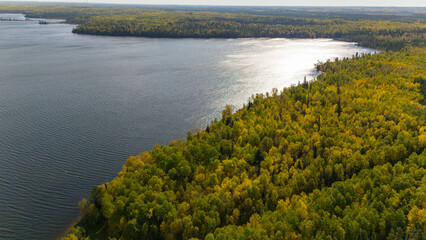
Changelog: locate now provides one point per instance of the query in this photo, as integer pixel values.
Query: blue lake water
(74, 107)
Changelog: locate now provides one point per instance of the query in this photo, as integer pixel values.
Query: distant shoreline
(31, 19)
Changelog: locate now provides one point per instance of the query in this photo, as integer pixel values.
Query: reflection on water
(73, 107)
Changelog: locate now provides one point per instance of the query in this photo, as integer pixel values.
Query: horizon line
(206, 5)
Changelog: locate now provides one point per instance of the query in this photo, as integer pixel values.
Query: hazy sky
(411, 3)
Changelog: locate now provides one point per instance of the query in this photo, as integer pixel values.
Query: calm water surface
(74, 107)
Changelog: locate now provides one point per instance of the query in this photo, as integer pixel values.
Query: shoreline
(68, 228)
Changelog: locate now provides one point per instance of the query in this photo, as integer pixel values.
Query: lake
(74, 107)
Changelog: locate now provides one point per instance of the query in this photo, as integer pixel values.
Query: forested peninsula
(341, 157)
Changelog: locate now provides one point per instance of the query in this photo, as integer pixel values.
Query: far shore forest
(385, 29)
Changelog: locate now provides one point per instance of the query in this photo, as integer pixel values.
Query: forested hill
(385, 29)
(342, 157)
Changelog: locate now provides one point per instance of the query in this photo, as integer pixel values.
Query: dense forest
(341, 157)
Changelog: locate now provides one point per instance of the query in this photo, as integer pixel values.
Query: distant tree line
(381, 34)
(386, 30)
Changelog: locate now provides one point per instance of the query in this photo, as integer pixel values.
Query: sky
(397, 3)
